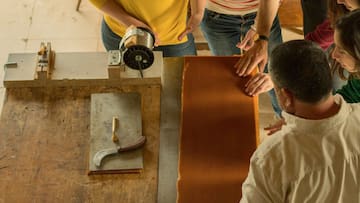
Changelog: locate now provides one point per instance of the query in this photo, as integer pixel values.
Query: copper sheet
(218, 131)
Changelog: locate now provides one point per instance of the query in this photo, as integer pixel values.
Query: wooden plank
(219, 131)
(290, 14)
(126, 107)
(77, 69)
(44, 147)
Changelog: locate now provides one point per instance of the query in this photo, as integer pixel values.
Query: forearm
(266, 15)
(197, 8)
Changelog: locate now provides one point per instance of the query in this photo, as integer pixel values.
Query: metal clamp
(114, 58)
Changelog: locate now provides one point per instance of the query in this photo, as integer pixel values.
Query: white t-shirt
(308, 161)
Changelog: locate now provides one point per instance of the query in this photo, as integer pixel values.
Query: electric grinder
(136, 47)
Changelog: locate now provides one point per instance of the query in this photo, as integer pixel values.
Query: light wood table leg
(78, 5)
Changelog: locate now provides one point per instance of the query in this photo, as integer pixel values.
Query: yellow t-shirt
(167, 18)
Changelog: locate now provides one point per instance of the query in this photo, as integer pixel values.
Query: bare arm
(197, 13)
(266, 15)
(258, 54)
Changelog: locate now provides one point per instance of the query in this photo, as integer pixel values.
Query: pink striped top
(233, 7)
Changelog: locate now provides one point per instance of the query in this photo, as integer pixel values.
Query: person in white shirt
(315, 157)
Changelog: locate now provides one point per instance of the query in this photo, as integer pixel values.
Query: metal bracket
(114, 58)
(114, 64)
(43, 63)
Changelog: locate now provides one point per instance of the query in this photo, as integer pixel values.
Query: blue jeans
(111, 42)
(223, 32)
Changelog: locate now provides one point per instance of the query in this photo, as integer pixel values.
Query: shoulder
(351, 91)
(269, 151)
(264, 182)
(351, 111)
(284, 151)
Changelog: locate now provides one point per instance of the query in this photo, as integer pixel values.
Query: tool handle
(114, 127)
(138, 143)
(114, 124)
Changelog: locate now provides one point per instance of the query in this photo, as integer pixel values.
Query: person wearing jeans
(225, 24)
(111, 41)
(169, 21)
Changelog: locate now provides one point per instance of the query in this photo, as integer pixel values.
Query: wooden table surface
(44, 148)
(44, 144)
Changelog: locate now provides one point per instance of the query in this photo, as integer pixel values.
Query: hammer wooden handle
(114, 137)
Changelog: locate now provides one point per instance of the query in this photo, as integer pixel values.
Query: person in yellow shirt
(168, 21)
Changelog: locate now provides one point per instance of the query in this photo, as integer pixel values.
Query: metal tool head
(136, 47)
(100, 155)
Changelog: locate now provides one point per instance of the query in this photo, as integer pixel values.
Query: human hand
(248, 40)
(259, 83)
(193, 22)
(255, 56)
(138, 23)
(273, 128)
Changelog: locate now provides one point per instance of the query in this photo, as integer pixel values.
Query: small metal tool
(100, 155)
(135, 50)
(43, 63)
(136, 47)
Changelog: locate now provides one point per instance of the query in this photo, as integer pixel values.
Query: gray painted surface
(127, 108)
(169, 129)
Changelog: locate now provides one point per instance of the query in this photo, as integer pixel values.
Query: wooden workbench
(44, 144)
(44, 147)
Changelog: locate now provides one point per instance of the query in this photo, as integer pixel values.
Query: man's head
(300, 71)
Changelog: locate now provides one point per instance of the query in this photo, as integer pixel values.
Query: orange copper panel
(218, 131)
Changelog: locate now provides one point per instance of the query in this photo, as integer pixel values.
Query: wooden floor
(290, 14)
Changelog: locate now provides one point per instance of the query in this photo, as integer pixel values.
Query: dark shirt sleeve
(322, 35)
(351, 91)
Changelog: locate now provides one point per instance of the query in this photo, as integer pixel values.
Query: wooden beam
(78, 69)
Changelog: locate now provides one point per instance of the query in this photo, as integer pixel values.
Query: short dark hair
(301, 67)
(348, 27)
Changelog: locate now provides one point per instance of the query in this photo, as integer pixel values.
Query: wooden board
(77, 69)
(219, 131)
(290, 13)
(44, 148)
(127, 108)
